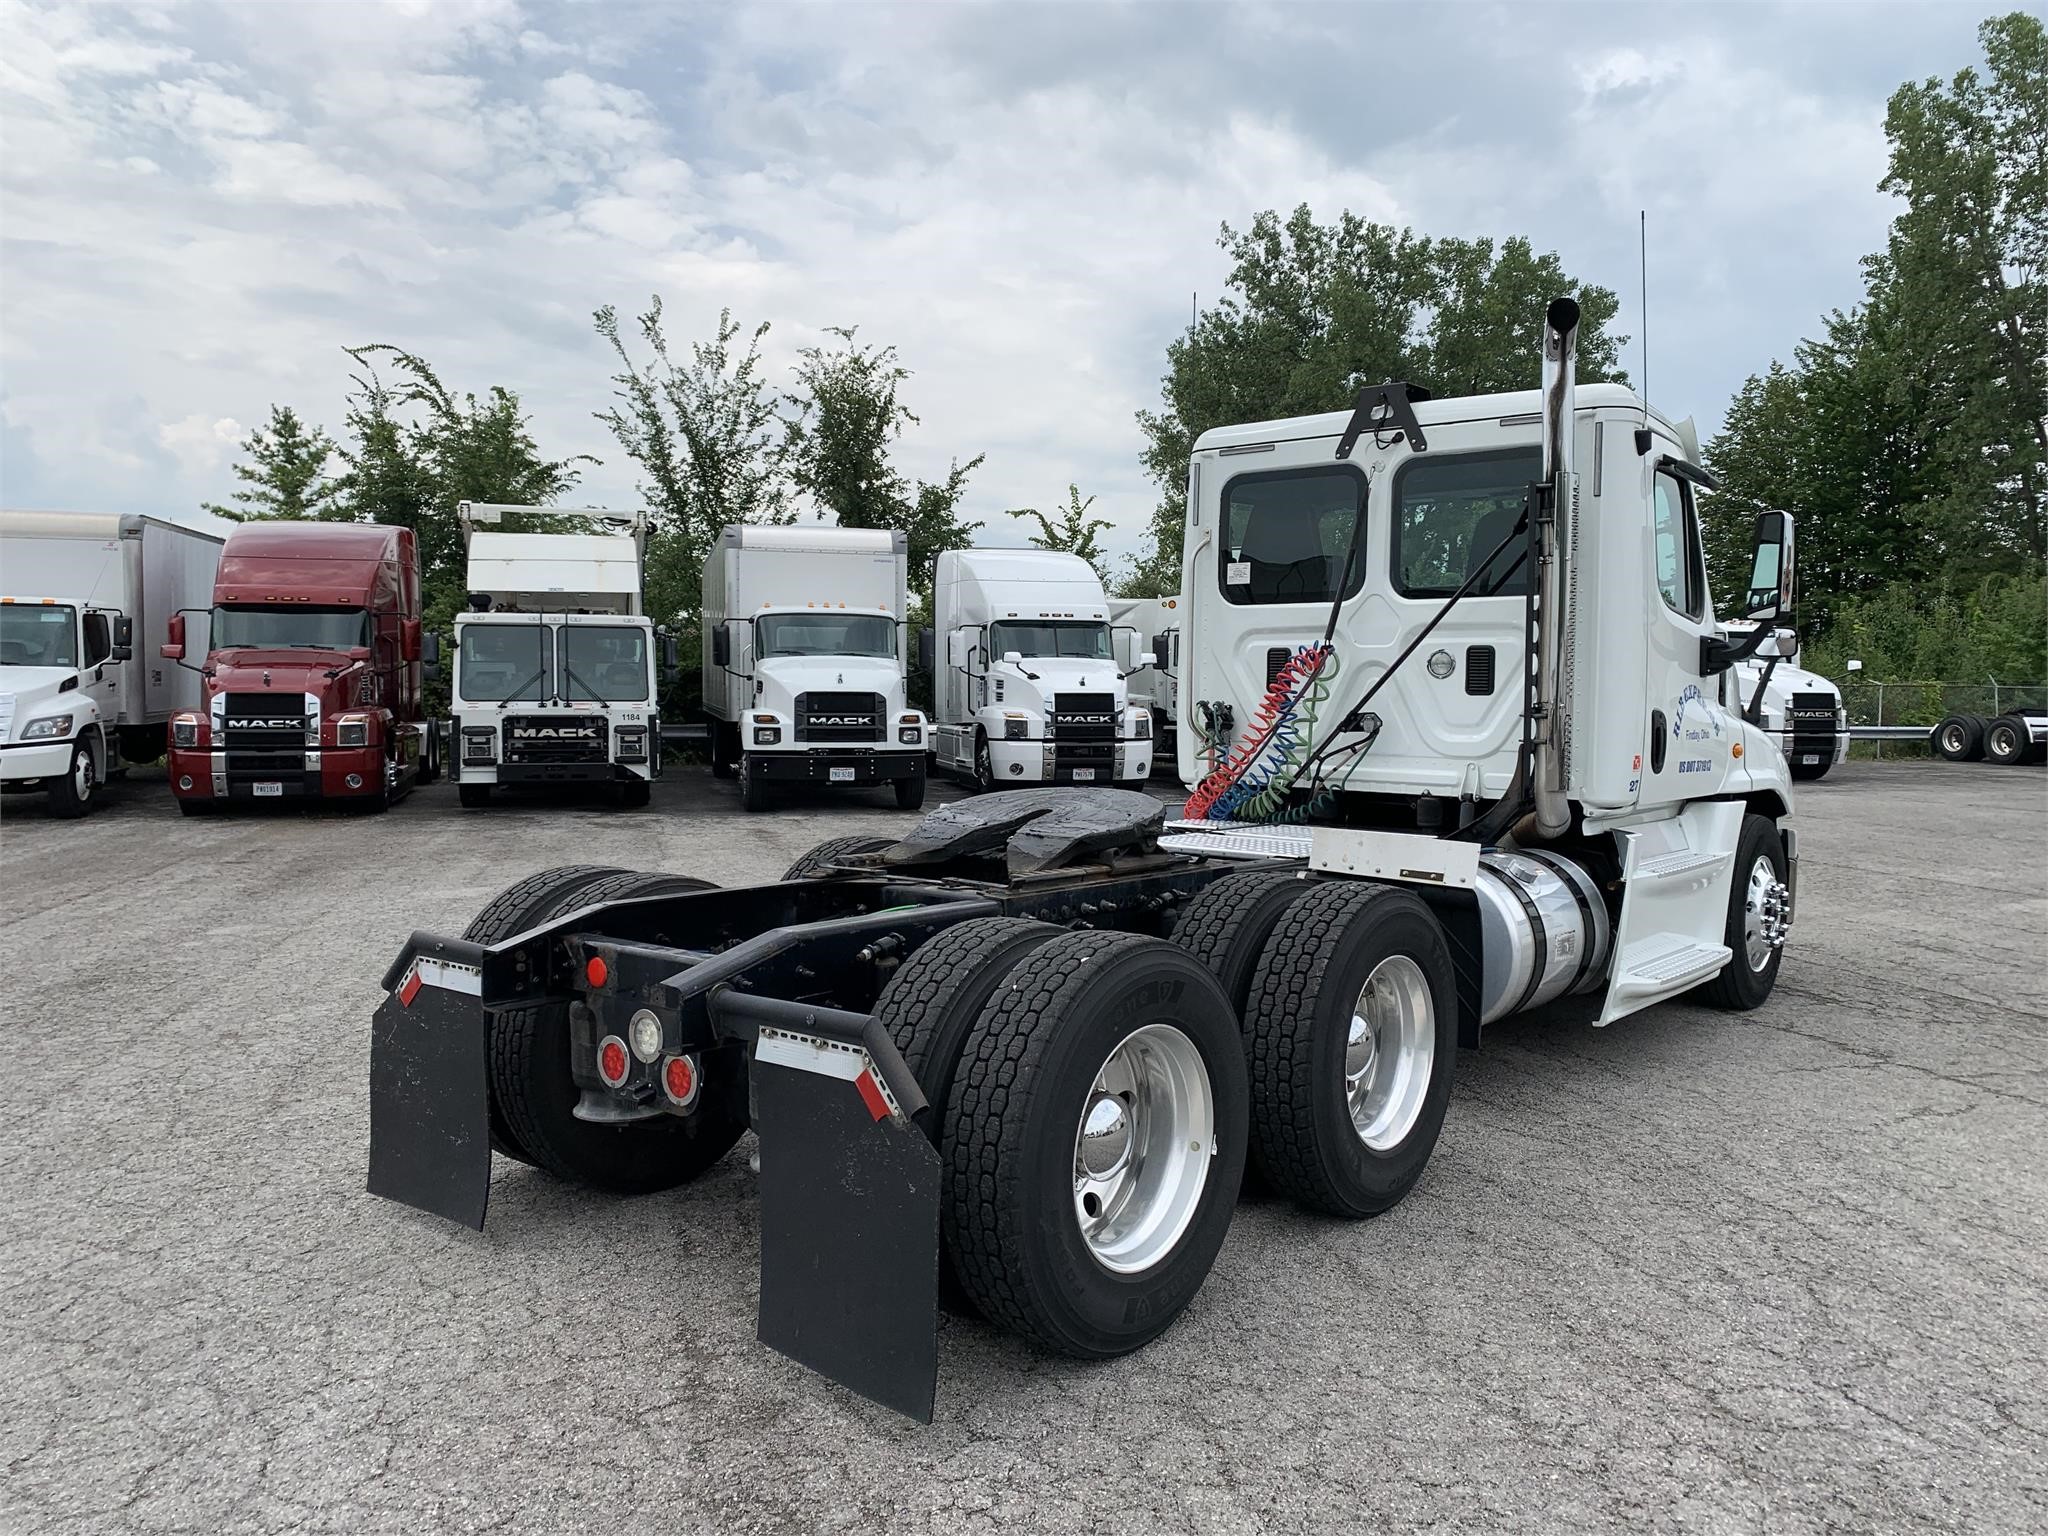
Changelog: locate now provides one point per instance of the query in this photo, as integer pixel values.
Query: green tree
(1071, 529)
(1313, 310)
(846, 418)
(709, 440)
(285, 473)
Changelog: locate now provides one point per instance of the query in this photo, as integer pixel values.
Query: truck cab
(557, 669)
(1031, 684)
(1800, 710)
(312, 674)
(61, 696)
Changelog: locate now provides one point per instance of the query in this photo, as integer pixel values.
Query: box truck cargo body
(804, 678)
(86, 598)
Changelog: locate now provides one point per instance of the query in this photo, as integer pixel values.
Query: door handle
(1657, 734)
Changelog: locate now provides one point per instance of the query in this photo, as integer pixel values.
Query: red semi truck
(312, 673)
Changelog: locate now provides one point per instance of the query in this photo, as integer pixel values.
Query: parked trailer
(1022, 1056)
(89, 598)
(2014, 737)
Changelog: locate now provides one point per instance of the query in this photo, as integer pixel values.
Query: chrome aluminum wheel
(1952, 741)
(1142, 1148)
(1765, 913)
(1389, 1053)
(81, 774)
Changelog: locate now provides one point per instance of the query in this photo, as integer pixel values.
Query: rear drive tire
(530, 1080)
(1959, 738)
(1093, 1244)
(73, 795)
(473, 796)
(430, 752)
(1752, 968)
(2006, 741)
(1227, 924)
(1352, 1022)
(514, 910)
(931, 1004)
(812, 864)
(753, 784)
(910, 791)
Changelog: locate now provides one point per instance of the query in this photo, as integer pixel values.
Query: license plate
(267, 789)
(841, 775)
(1083, 775)
(1809, 757)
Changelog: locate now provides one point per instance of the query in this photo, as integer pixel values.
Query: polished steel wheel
(1764, 906)
(1389, 1052)
(1142, 1148)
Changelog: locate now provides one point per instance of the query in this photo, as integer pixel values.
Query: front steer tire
(1740, 986)
(530, 1081)
(910, 791)
(474, 797)
(1299, 1028)
(1013, 1118)
(753, 784)
(75, 794)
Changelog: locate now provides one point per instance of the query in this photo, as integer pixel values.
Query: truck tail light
(613, 1060)
(679, 1081)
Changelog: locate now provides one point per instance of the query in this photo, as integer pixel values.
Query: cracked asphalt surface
(1784, 1271)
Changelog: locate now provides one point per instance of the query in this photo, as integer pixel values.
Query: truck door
(1687, 731)
(99, 678)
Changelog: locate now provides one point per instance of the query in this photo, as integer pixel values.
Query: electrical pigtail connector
(1254, 779)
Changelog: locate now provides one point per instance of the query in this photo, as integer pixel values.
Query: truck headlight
(1016, 727)
(910, 735)
(47, 727)
(1841, 718)
(478, 746)
(1143, 732)
(184, 730)
(632, 744)
(352, 731)
(767, 735)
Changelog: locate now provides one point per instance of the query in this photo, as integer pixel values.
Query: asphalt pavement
(1777, 1272)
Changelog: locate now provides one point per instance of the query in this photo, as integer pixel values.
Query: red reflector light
(612, 1060)
(679, 1079)
(596, 970)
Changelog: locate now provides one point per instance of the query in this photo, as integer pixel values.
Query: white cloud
(201, 444)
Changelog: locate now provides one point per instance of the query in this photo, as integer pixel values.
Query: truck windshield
(41, 636)
(289, 629)
(1088, 641)
(604, 663)
(505, 661)
(824, 634)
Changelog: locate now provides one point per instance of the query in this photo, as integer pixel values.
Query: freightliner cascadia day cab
(1157, 623)
(804, 666)
(310, 688)
(1800, 710)
(88, 598)
(557, 666)
(1463, 755)
(1030, 681)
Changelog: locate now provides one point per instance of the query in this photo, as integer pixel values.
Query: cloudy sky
(202, 204)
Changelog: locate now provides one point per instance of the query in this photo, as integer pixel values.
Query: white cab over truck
(1154, 687)
(804, 668)
(1800, 710)
(557, 668)
(1031, 679)
(88, 599)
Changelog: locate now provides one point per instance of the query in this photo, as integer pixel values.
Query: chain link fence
(1874, 703)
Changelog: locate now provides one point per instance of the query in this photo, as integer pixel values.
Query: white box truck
(804, 668)
(557, 669)
(1031, 682)
(1154, 687)
(86, 599)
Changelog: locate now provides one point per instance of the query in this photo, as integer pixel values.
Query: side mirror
(174, 649)
(430, 672)
(721, 646)
(408, 639)
(1771, 569)
(1014, 658)
(959, 648)
(124, 638)
(671, 655)
(430, 649)
(1162, 648)
(927, 649)
(1123, 644)
(1855, 666)
(359, 653)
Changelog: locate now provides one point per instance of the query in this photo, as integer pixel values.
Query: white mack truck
(1461, 753)
(804, 679)
(557, 668)
(1800, 710)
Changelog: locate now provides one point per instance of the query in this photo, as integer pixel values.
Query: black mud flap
(849, 1224)
(430, 1118)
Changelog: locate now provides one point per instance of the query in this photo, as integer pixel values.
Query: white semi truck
(1800, 710)
(1155, 687)
(804, 666)
(88, 600)
(557, 668)
(1031, 685)
(1031, 1045)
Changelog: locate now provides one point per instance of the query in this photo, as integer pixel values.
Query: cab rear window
(1287, 535)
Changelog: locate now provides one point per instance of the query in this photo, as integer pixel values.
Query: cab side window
(1678, 549)
(99, 639)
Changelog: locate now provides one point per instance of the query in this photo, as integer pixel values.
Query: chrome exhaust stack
(1553, 650)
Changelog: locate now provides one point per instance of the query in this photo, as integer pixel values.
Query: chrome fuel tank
(1543, 928)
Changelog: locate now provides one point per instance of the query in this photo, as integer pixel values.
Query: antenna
(1643, 252)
